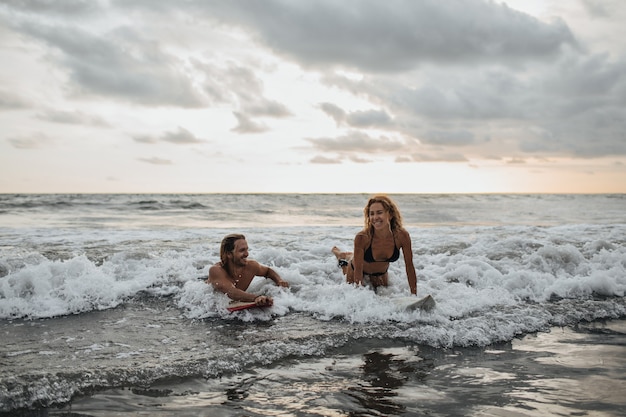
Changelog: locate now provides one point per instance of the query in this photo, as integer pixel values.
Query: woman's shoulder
(362, 236)
(402, 233)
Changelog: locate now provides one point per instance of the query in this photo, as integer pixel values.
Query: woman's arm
(407, 251)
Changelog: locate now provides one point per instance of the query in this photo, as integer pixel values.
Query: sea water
(104, 309)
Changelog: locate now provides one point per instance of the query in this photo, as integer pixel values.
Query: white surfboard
(411, 303)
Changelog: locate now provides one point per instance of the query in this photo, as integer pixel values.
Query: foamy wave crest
(48, 288)
(490, 285)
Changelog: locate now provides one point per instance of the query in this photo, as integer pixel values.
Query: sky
(316, 96)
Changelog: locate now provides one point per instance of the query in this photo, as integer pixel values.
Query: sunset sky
(395, 96)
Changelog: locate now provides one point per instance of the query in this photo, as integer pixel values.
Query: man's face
(240, 253)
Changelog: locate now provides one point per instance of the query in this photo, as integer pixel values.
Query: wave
(466, 270)
(127, 308)
(299, 209)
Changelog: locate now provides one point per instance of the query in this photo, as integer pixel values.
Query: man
(234, 273)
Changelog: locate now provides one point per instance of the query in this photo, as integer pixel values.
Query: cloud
(65, 8)
(320, 159)
(334, 111)
(580, 99)
(179, 137)
(448, 137)
(358, 119)
(118, 64)
(598, 8)
(11, 101)
(267, 108)
(395, 35)
(369, 118)
(410, 81)
(359, 160)
(237, 85)
(72, 117)
(33, 141)
(356, 141)
(156, 161)
(436, 157)
(246, 125)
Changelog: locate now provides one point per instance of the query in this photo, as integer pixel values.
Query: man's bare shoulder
(254, 266)
(216, 272)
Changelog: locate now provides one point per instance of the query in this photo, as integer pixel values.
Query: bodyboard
(411, 304)
(241, 305)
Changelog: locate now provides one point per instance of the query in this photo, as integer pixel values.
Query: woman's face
(378, 216)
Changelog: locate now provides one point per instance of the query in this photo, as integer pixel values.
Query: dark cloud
(119, 64)
(368, 118)
(394, 35)
(357, 119)
(448, 137)
(439, 74)
(356, 146)
(578, 103)
(64, 8)
(239, 86)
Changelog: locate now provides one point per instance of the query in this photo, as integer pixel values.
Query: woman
(377, 245)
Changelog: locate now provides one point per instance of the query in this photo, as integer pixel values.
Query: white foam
(486, 274)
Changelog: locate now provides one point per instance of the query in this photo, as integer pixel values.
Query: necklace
(238, 274)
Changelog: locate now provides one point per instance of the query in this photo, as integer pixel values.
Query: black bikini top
(369, 257)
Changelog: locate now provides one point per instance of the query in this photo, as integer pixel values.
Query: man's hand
(263, 301)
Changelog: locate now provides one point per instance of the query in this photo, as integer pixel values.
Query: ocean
(104, 310)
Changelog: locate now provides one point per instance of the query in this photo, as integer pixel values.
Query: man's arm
(268, 272)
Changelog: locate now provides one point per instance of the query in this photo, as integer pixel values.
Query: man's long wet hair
(228, 246)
